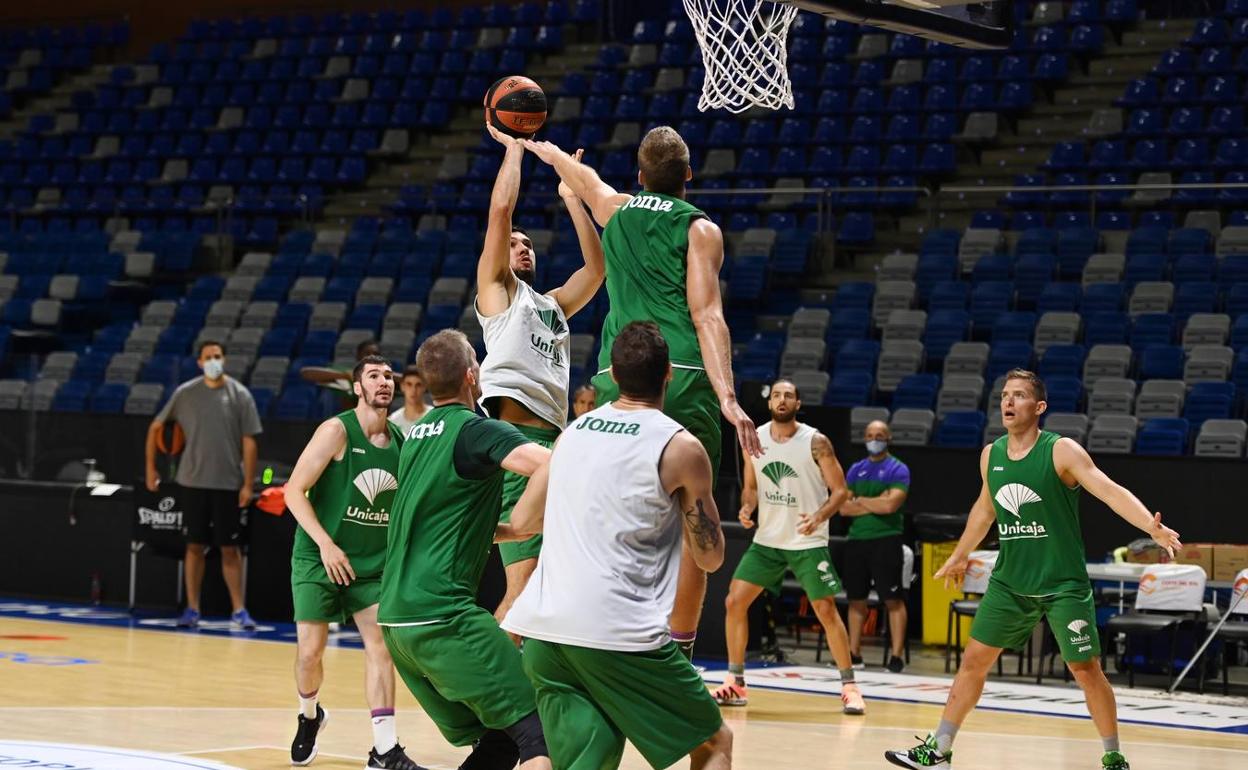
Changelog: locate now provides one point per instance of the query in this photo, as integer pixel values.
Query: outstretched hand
(1164, 536)
(954, 569)
(564, 190)
(547, 151)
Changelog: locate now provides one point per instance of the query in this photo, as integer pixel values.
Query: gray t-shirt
(215, 420)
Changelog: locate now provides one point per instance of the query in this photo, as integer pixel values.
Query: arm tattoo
(820, 447)
(704, 531)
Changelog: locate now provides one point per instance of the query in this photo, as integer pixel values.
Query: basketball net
(743, 51)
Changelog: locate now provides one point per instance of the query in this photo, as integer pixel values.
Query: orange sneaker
(851, 700)
(732, 693)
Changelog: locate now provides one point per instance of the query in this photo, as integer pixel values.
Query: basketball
(516, 106)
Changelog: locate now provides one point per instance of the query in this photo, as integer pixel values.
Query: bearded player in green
(663, 257)
(463, 669)
(1031, 489)
(341, 492)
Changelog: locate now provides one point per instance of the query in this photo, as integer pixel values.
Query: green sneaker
(1113, 760)
(926, 754)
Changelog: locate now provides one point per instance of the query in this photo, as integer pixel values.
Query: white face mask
(214, 368)
(877, 447)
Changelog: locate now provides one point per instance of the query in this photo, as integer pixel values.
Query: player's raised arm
(685, 470)
(1075, 466)
(602, 198)
(329, 441)
(977, 526)
(585, 282)
(706, 308)
(495, 280)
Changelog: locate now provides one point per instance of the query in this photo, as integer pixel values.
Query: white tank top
(611, 541)
(789, 484)
(527, 350)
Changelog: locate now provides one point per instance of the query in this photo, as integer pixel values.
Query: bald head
(876, 436)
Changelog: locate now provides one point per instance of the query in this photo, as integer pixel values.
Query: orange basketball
(176, 442)
(516, 106)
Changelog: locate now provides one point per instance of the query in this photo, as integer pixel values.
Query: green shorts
(319, 600)
(765, 566)
(465, 672)
(590, 701)
(690, 401)
(513, 487)
(1005, 619)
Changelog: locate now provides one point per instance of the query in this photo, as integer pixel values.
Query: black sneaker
(855, 662)
(394, 759)
(303, 749)
(896, 664)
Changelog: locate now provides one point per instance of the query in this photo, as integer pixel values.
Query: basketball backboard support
(988, 24)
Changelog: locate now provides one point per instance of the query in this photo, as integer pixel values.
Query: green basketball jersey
(443, 525)
(645, 245)
(1042, 550)
(353, 499)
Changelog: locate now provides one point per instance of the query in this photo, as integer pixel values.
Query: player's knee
(494, 750)
(825, 610)
(1085, 672)
(735, 604)
(719, 743)
(529, 737)
(230, 554)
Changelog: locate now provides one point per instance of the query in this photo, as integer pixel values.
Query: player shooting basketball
(663, 257)
(524, 377)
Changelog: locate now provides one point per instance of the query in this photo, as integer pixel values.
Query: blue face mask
(877, 447)
(214, 368)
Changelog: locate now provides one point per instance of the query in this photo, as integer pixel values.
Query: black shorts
(212, 516)
(879, 562)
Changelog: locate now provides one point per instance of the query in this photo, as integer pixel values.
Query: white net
(743, 51)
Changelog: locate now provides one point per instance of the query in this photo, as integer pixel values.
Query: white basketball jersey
(611, 540)
(789, 484)
(527, 350)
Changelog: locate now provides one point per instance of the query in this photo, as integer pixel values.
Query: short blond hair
(663, 158)
(443, 360)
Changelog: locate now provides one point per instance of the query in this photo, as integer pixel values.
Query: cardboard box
(1228, 560)
(1198, 555)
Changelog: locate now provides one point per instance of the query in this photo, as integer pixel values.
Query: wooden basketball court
(231, 701)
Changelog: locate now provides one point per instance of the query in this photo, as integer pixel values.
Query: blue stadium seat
(916, 391)
(1165, 436)
(960, 429)
(1062, 361)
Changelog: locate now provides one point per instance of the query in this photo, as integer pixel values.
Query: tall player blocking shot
(663, 257)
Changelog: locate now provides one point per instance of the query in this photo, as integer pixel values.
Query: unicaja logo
(1077, 626)
(373, 482)
(1013, 497)
(778, 471)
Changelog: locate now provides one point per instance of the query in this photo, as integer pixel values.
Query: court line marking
(287, 748)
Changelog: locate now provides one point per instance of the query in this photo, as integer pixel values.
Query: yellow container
(936, 597)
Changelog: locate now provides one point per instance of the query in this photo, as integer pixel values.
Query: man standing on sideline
(414, 406)
(802, 487)
(463, 669)
(625, 486)
(215, 471)
(584, 399)
(524, 378)
(1031, 489)
(340, 493)
(663, 258)
(874, 553)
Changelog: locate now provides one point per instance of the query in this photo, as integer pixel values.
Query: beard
(528, 276)
(783, 418)
(380, 400)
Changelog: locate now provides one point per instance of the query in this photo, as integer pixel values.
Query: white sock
(307, 705)
(385, 733)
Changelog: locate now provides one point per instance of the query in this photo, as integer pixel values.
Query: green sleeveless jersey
(442, 528)
(1042, 550)
(645, 245)
(353, 499)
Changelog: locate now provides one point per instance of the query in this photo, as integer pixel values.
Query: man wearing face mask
(216, 469)
(879, 484)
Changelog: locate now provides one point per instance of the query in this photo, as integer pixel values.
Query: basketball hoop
(743, 51)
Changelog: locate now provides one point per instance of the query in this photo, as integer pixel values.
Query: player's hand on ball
(500, 137)
(954, 569)
(806, 524)
(1164, 536)
(564, 190)
(153, 480)
(337, 565)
